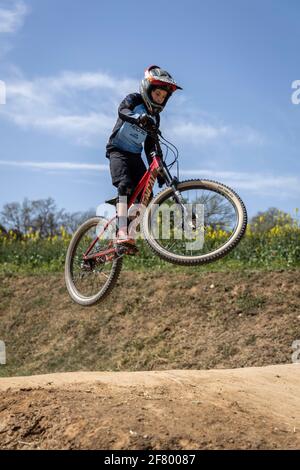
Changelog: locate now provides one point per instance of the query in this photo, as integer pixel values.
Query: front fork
(172, 182)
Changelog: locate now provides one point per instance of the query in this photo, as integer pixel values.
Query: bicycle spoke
(90, 276)
(104, 274)
(218, 225)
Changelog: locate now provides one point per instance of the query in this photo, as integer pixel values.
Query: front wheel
(200, 223)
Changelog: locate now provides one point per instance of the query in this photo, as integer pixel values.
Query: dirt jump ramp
(250, 408)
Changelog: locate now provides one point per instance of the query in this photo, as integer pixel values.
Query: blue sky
(67, 64)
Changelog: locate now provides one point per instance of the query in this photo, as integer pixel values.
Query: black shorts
(128, 168)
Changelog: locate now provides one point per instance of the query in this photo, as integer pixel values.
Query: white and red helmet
(155, 77)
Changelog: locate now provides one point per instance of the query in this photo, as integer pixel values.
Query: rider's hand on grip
(146, 122)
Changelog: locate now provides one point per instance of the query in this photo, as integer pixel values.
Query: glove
(146, 122)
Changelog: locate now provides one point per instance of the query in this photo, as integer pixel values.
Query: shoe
(126, 245)
(125, 241)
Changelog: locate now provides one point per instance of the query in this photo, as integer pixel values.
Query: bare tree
(45, 217)
(11, 215)
(41, 216)
(218, 212)
(26, 215)
(71, 221)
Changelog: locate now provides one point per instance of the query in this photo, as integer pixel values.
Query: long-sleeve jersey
(127, 135)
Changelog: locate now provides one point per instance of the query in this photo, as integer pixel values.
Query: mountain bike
(205, 221)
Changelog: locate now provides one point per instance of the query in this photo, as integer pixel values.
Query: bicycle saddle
(114, 201)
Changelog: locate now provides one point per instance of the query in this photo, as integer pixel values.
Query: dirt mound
(176, 324)
(151, 321)
(251, 408)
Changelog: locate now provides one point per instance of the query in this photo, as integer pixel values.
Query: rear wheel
(89, 281)
(212, 224)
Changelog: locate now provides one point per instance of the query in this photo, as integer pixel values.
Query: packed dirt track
(248, 408)
(184, 360)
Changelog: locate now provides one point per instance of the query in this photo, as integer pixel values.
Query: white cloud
(12, 17)
(84, 129)
(55, 165)
(198, 133)
(83, 108)
(89, 81)
(258, 183)
(79, 106)
(191, 125)
(189, 130)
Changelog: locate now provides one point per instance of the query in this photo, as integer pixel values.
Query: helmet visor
(169, 87)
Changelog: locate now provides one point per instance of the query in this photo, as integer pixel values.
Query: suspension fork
(172, 182)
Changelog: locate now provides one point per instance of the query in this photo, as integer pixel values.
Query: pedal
(126, 250)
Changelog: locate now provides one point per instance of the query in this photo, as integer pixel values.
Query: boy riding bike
(189, 223)
(138, 118)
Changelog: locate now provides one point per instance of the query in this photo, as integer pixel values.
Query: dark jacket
(127, 136)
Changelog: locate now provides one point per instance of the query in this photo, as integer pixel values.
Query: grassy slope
(152, 320)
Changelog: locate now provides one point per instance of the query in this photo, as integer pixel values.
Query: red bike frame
(145, 187)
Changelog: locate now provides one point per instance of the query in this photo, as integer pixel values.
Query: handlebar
(155, 134)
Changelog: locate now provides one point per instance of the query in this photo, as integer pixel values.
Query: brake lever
(154, 133)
